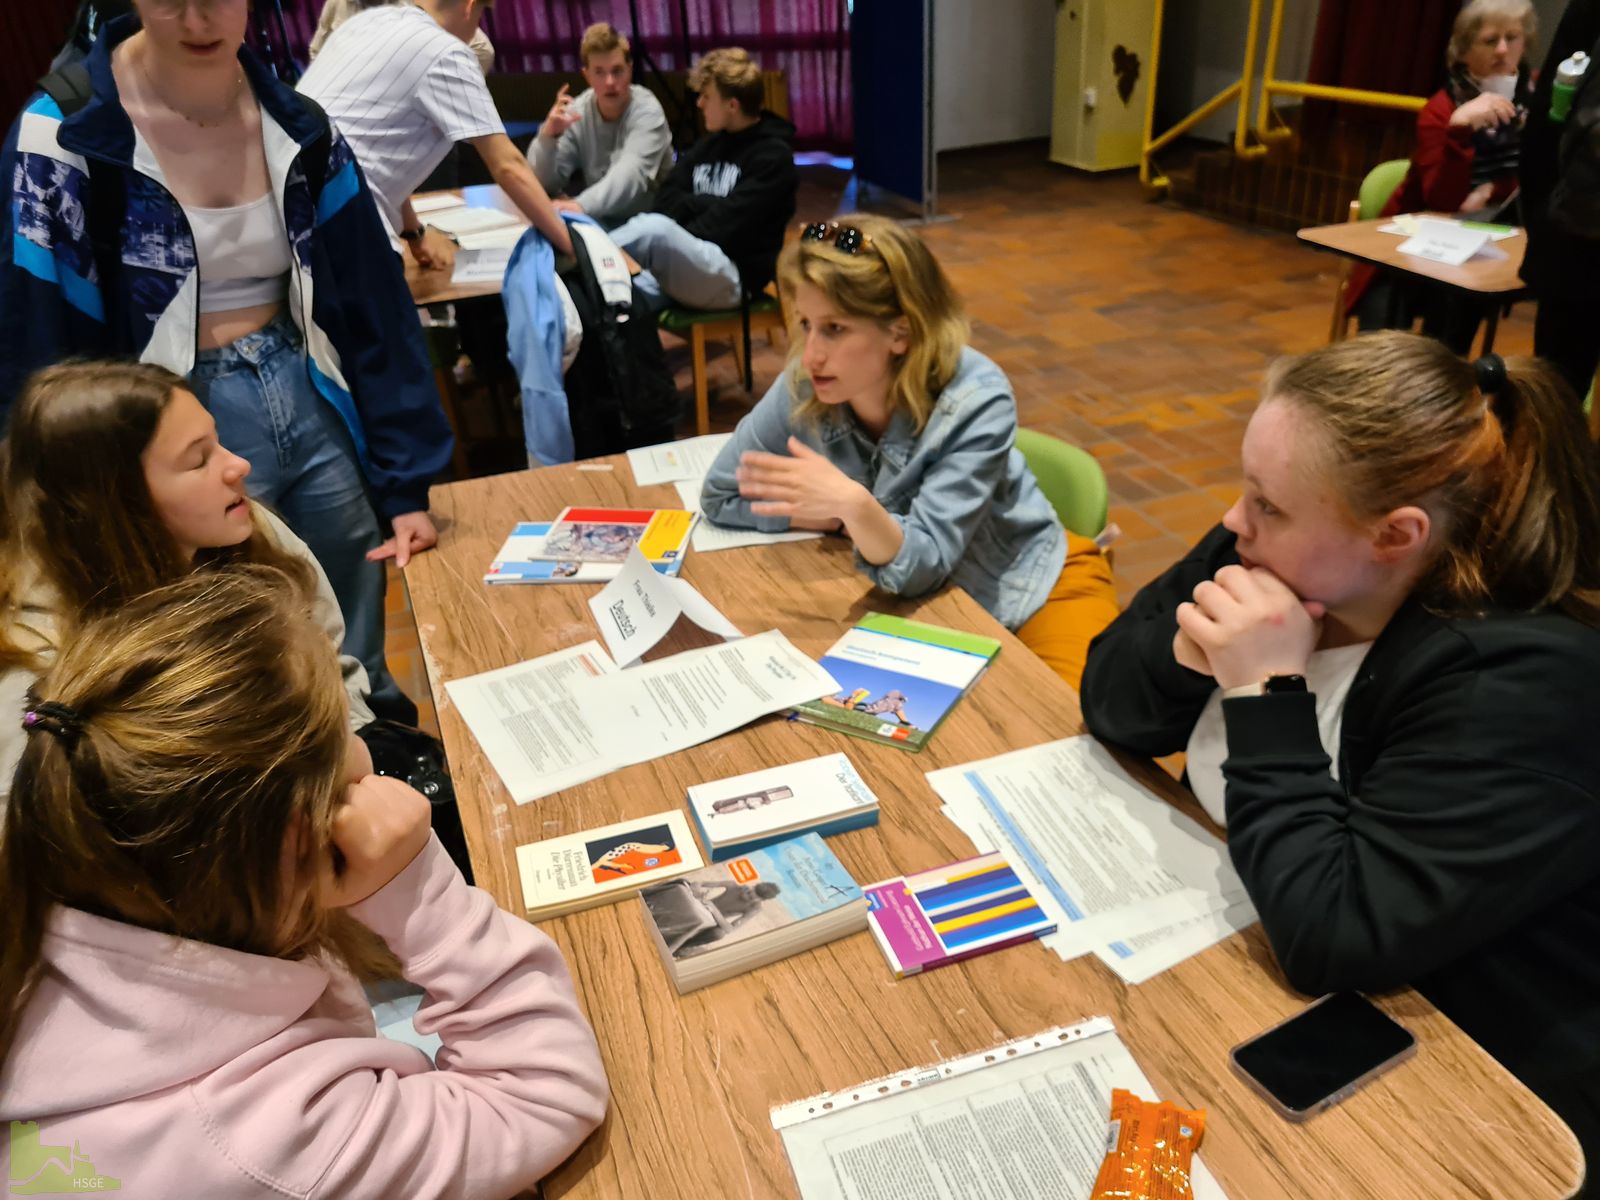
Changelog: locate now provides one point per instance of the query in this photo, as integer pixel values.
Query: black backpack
(619, 392)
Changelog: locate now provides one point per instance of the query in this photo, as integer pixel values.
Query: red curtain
(31, 31)
(809, 40)
(1383, 46)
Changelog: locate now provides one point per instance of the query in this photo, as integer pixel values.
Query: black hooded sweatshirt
(736, 190)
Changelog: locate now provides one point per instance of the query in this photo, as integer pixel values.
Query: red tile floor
(1134, 329)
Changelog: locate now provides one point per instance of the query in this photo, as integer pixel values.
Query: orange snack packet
(1148, 1148)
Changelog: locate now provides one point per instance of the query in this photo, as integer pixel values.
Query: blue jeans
(303, 464)
(685, 269)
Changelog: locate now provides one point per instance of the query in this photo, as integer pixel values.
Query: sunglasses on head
(844, 237)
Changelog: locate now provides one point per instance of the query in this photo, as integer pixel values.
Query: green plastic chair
(1382, 182)
(1071, 480)
(760, 314)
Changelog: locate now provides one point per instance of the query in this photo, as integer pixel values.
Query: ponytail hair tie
(1491, 372)
(47, 716)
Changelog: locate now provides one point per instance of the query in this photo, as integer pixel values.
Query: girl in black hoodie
(1421, 539)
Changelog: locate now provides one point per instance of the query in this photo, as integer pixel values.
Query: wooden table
(1497, 280)
(693, 1077)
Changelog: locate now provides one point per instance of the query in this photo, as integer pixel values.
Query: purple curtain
(809, 40)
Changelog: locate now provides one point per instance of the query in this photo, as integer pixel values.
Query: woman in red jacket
(1465, 161)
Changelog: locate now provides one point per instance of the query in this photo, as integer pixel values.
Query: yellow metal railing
(1268, 126)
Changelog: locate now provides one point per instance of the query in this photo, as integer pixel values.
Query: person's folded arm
(632, 170)
(1134, 693)
(766, 427)
(554, 160)
(1461, 828)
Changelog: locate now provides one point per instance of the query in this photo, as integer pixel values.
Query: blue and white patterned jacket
(347, 292)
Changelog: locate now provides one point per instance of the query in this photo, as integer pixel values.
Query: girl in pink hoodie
(194, 859)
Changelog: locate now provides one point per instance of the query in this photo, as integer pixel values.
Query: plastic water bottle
(1568, 76)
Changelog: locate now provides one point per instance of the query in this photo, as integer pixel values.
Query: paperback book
(727, 919)
(520, 561)
(898, 679)
(605, 535)
(959, 911)
(581, 870)
(745, 812)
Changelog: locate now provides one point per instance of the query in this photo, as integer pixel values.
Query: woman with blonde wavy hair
(888, 428)
(1382, 667)
(195, 859)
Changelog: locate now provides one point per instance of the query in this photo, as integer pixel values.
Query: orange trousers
(1082, 603)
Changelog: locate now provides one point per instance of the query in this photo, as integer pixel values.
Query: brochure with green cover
(898, 679)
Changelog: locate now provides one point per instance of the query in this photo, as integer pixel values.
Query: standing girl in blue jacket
(890, 429)
(196, 213)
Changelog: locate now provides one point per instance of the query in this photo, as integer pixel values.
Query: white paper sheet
(1146, 955)
(481, 266)
(669, 462)
(1031, 1123)
(1115, 859)
(1405, 225)
(436, 203)
(493, 239)
(556, 721)
(526, 718)
(708, 538)
(457, 221)
(637, 608)
(1448, 242)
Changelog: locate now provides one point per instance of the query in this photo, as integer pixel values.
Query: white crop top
(243, 253)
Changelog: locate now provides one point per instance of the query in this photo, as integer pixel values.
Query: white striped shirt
(401, 90)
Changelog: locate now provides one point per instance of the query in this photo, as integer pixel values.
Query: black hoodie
(736, 190)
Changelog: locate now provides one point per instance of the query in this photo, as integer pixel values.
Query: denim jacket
(971, 511)
(364, 346)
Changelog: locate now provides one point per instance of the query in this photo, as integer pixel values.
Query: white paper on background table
(1113, 860)
(481, 266)
(1449, 243)
(669, 462)
(505, 238)
(1405, 225)
(457, 221)
(556, 721)
(438, 203)
(708, 538)
(1028, 1118)
(637, 608)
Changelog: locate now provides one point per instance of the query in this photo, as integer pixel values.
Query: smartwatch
(1271, 685)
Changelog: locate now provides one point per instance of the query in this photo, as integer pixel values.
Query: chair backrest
(1381, 183)
(1070, 479)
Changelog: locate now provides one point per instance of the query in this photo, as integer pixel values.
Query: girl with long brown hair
(112, 483)
(887, 427)
(1382, 666)
(194, 855)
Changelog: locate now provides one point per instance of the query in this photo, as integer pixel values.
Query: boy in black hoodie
(719, 218)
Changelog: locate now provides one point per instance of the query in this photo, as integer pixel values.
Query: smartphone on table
(1320, 1055)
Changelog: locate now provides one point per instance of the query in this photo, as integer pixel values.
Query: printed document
(1114, 859)
(637, 608)
(1026, 1119)
(671, 461)
(555, 722)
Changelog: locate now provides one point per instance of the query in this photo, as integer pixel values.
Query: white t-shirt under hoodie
(1329, 674)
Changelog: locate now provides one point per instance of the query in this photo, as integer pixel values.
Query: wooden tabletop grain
(693, 1078)
(1486, 276)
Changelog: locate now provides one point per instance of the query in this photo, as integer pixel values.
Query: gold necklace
(231, 107)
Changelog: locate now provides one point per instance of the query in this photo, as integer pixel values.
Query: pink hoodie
(178, 1068)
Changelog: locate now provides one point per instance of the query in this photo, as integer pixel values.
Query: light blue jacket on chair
(970, 508)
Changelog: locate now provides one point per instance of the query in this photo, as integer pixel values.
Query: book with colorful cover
(518, 561)
(579, 870)
(605, 535)
(954, 912)
(745, 812)
(898, 679)
(772, 903)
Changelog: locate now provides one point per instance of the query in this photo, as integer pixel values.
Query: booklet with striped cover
(954, 912)
(520, 561)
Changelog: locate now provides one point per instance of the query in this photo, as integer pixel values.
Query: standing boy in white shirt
(614, 135)
(402, 87)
